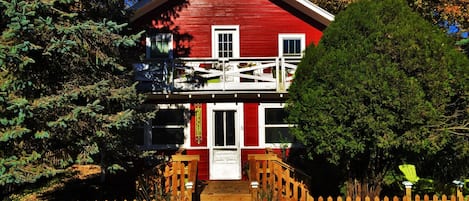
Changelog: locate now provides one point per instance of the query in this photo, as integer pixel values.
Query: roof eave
(305, 6)
(312, 10)
(147, 8)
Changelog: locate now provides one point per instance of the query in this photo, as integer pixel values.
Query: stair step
(226, 191)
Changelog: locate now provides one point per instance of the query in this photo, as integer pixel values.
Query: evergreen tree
(377, 91)
(67, 96)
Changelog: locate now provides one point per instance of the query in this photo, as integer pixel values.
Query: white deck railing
(233, 74)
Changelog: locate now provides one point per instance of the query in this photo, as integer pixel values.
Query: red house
(219, 72)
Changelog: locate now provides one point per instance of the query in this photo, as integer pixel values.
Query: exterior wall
(260, 22)
(251, 124)
(198, 132)
(203, 165)
(250, 141)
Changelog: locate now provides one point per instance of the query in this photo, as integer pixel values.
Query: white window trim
(239, 123)
(148, 44)
(282, 37)
(147, 133)
(229, 29)
(262, 107)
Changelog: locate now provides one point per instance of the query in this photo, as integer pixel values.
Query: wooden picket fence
(394, 198)
(273, 180)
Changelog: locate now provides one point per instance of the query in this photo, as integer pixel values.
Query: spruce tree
(66, 92)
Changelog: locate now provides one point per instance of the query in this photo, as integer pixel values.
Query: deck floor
(226, 191)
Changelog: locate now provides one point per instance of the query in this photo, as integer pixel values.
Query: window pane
(291, 46)
(225, 45)
(219, 129)
(139, 133)
(285, 46)
(275, 116)
(167, 136)
(230, 128)
(278, 135)
(160, 45)
(169, 117)
(297, 47)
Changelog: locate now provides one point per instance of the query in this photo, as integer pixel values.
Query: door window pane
(219, 129)
(230, 128)
(225, 133)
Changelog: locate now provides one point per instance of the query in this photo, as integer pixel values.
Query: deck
(225, 191)
(205, 75)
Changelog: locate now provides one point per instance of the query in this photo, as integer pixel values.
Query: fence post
(254, 189)
(459, 185)
(408, 190)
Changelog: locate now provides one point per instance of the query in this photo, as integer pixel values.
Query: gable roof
(312, 10)
(305, 6)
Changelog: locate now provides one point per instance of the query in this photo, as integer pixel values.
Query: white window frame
(148, 135)
(233, 29)
(291, 36)
(262, 126)
(148, 44)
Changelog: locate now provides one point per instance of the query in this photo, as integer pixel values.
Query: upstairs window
(291, 45)
(159, 45)
(225, 41)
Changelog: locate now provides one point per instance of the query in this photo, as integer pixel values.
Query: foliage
(377, 91)
(151, 184)
(452, 16)
(66, 91)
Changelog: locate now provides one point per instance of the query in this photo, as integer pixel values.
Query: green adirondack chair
(409, 172)
(420, 184)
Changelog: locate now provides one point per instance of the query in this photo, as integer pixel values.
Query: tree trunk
(103, 169)
(362, 188)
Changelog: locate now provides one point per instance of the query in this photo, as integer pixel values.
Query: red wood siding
(260, 23)
(203, 165)
(193, 139)
(251, 124)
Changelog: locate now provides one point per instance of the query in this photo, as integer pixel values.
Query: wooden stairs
(226, 191)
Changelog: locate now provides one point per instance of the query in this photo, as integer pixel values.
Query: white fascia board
(312, 10)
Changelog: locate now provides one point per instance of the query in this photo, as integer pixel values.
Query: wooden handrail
(277, 179)
(181, 176)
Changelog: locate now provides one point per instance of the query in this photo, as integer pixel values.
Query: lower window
(167, 128)
(277, 130)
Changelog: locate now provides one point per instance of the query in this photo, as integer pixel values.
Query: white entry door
(225, 154)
